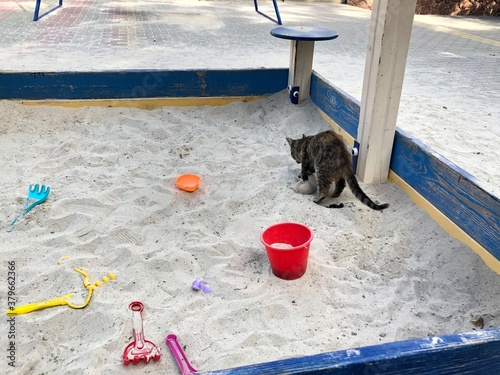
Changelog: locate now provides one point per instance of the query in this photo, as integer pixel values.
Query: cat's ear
(289, 140)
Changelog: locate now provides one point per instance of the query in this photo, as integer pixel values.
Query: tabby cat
(326, 155)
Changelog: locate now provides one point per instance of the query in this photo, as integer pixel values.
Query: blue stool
(301, 57)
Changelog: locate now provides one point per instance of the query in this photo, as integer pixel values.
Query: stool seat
(304, 33)
(302, 40)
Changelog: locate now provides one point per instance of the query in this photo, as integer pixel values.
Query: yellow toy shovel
(64, 300)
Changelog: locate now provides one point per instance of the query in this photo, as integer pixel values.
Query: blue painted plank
(446, 186)
(450, 189)
(337, 104)
(464, 354)
(141, 84)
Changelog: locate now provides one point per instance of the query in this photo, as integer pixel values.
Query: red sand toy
(287, 247)
(140, 348)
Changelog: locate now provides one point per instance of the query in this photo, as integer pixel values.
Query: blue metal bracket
(355, 154)
(294, 94)
(36, 17)
(276, 9)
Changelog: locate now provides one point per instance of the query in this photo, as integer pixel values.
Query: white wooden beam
(389, 39)
(301, 62)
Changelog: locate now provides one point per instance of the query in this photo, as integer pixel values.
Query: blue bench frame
(276, 9)
(36, 17)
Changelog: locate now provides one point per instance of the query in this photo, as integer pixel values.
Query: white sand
(373, 276)
(450, 94)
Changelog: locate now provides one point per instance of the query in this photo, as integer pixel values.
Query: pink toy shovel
(140, 348)
(179, 355)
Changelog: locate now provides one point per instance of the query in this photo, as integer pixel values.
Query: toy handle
(10, 227)
(39, 305)
(136, 308)
(179, 355)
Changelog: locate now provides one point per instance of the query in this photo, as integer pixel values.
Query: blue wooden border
(450, 189)
(446, 186)
(141, 84)
(465, 353)
(337, 104)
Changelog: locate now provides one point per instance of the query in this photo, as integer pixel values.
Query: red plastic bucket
(287, 247)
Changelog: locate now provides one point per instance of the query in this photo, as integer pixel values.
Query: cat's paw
(318, 198)
(307, 187)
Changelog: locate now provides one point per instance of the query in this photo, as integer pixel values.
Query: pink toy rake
(140, 348)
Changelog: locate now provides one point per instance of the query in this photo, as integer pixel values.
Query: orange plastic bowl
(188, 182)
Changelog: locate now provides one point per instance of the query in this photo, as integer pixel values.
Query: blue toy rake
(36, 194)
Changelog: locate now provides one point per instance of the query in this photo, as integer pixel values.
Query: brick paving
(180, 34)
(453, 58)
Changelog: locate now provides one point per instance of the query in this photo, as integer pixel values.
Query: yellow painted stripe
(143, 103)
(460, 34)
(448, 225)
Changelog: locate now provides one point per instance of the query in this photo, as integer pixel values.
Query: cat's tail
(360, 194)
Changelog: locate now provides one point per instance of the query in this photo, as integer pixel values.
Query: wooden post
(388, 43)
(301, 61)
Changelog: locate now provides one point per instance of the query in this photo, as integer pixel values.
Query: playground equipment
(36, 15)
(276, 9)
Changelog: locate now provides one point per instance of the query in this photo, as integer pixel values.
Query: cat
(326, 155)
